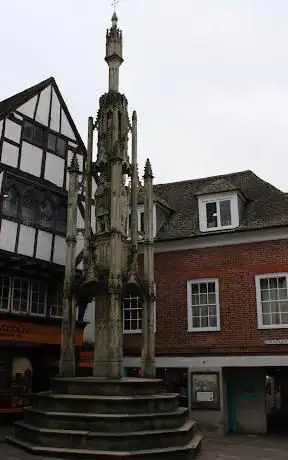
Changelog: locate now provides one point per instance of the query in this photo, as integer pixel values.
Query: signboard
(205, 390)
(15, 331)
(204, 396)
(86, 358)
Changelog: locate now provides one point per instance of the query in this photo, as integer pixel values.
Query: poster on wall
(205, 390)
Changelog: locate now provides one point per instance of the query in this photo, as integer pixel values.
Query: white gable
(48, 105)
(55, 112)
(12, 131)
(1, 179)
(29, 107)
(42, 113)
(66, 129)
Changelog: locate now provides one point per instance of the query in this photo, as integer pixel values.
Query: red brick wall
(235, 266)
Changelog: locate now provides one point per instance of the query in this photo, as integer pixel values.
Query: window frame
(38, 283)
(44, 145)
(259, 303)
(190, 283)
(19, 312)
(139, 331)
(32, 140)
(217, 198)
(55, 151)
(140, 210)
(2, 277)
(59, 297)
(38, 195)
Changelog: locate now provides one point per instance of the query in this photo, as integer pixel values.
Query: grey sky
(208, 78)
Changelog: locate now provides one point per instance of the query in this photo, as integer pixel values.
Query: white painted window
(38, 298)
(132, 314)
(272, 300)
(23, 296)
(141, 220)
(140, 223)
(5, 293)
(203, 305)
(20, 295)
(56, 303)
(218, 212)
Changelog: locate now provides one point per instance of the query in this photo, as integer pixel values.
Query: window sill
(204, 329)
(218, 229)
(273, 326)
(137, 331)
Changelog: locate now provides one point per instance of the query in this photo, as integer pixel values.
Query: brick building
(221, 276)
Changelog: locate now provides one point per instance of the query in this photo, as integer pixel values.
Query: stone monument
(109, 416)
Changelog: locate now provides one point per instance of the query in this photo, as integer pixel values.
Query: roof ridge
(220, 176)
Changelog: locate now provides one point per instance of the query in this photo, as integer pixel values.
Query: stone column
(115, 334)
(148, 327)
(88, 196)
(101, 336)
(67, 358)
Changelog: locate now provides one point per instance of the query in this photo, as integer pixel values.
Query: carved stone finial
(114, 19)
(134, 115)
(74, 166)
(148, 174)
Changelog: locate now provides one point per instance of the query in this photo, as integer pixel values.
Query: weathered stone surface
(99, 418)
(106, 422)
(124, 387)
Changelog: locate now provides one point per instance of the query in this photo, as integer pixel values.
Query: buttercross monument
(107, 415)
(110, 253)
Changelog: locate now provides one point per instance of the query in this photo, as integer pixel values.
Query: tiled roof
(264, 205)
(217, 186)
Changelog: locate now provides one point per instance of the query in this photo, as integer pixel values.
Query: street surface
(214, 448)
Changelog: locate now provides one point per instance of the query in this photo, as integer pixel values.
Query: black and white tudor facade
(37, 140)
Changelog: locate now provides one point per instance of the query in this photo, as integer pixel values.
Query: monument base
(107, 419)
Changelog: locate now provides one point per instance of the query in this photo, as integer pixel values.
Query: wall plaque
(205, 390)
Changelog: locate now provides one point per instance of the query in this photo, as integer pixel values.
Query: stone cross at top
(114, 4)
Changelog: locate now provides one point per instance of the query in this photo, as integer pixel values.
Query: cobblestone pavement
(245, 448)
(216, 448)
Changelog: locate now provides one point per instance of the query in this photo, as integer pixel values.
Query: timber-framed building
(37, 141)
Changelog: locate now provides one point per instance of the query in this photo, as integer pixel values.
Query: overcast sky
(208, 78)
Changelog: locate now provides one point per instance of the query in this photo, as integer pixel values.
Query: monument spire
(114, 47)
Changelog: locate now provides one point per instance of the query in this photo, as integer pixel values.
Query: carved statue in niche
(102, 203)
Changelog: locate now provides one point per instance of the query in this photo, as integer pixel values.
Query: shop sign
(14, 331)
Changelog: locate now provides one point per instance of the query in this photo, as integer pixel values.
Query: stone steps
(105, 422)
(98, 404)
(102, 441)
(104, 387)
(187, 452)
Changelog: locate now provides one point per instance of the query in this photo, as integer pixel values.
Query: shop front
(29, 357)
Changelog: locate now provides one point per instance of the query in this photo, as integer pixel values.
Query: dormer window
(218, 212)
